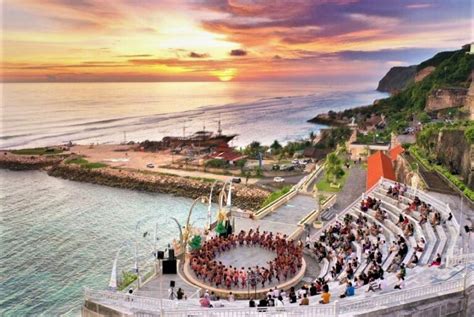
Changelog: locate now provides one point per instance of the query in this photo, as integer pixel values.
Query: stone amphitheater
(377, 241)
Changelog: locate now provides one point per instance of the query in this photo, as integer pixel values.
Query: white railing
(310, 178)
(296, 311)
(462, 259)
(128, 301)
(164, 307)
(401, 297)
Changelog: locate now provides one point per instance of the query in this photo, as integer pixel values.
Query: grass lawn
(275, 195)
(85, 163)
(325, 186)
(38, 151)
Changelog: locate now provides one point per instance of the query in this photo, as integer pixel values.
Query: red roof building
(379, 165)
(395, 152)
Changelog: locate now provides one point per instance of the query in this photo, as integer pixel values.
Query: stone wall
(457, 304)
(404, 174)
(454, 151)
(245, 197)
(445, 98)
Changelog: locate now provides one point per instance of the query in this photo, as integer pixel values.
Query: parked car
(150, 165)
(278, 179)
(236, 180)
(276, 167)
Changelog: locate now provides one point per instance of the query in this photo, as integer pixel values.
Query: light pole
(136, 268)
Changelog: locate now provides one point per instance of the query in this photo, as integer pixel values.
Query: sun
(225, 74)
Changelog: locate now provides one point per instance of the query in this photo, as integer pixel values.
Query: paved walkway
(159, 286)
(353, 189)
(264, 225)
(294, 210)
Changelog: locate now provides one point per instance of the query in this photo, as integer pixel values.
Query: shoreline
(246, 197)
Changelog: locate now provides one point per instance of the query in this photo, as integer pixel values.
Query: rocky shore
(25, 162)
(244, 197)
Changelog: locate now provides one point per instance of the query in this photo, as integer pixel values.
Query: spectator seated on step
(350, 291)
(305, 300)
(437, 260)
(413, 261)
(325, 297)
(379, 285)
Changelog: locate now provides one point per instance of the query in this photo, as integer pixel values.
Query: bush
(127, 279)
(85, 163)
(216, 163)
(469, 134)
(38, 151)
(275, 195)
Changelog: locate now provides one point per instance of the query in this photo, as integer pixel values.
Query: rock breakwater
(244, 197)
(26, 162)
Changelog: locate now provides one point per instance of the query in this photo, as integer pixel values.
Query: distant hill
(400, 77)
(444, 86)
(397, 78)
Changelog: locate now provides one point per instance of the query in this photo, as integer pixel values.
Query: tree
(312, 136)
(276, 146)
(334, 170)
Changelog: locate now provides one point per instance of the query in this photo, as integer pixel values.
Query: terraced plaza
(393, 233)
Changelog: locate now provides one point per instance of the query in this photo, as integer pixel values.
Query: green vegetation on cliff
(423, 157)
(452, 69)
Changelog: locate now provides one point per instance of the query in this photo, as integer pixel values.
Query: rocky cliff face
(397, 79)
(422, 74)
(455, 152)
(446, 98)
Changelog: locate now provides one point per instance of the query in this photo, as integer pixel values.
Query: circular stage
(222, 260)
(246, 257)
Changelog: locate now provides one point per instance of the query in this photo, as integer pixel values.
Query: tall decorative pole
(187, 232)
(209, 207)
(113, 274)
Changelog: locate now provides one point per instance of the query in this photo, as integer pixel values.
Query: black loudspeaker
(160, 255)
(171, 254)
(172, 284)
(169, 267)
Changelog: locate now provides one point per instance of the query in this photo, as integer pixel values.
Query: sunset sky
(242, 40)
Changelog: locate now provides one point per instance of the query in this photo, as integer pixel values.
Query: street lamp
(135, 267)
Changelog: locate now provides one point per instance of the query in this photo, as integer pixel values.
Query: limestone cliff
(455, 152)
(446, 98)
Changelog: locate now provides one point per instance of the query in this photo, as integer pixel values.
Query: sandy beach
(125, 156)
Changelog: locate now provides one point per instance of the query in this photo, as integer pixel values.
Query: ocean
(58, 236)
(56, 113)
